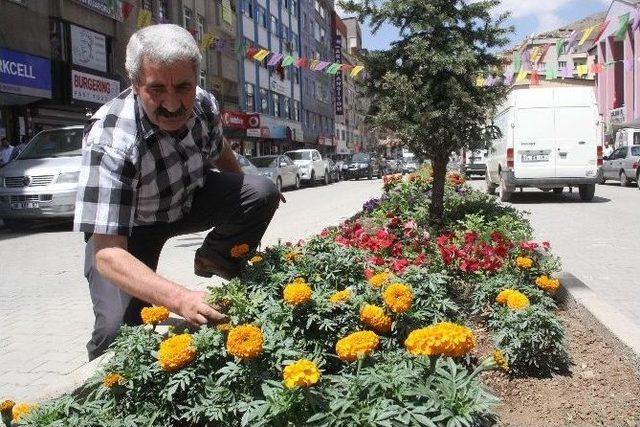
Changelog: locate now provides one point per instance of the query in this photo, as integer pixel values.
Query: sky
(528, 17)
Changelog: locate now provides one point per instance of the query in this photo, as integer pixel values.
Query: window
(307, 119)
(200, 27)
(188, 18)
(294, 7)
(562, 64)
(323, 12)
(248, 8)
(274, 25)
(323, 35)
(305, 21)
(296, 75)
(286, 108)
(249, 96)
(284, 31)
(264, 101)
(163, 11)
(296, 111)
(286, 4)
(343, 136)
(275, 98)
(203, 79)
(146, 4)
(316, 30)
(262, 17)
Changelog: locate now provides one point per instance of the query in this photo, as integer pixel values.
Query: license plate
(526, 158)
(25, 205)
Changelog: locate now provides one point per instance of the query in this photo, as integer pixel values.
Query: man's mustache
(161, 111)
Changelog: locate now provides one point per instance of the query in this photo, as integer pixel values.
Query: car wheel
(17, 224)
(370, 174)
(505, 194)
(624, 181)
(326, 177)
(602, 179)
(297, 182)
(558, 190)
(279, 184)
(587, 191)
(491, 187)
(312, 180)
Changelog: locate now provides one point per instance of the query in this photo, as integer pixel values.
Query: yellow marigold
(176, 352)
(296, 293)
(441, 339)
(224, 327)
(547, 284)
(357, 344)
(292, 256)
(245, 341)
(339, 297)
(6, 406)
(238, 251)
(303, 373)
(112, 380)
(379, 280)
(374, 317)
(398, 297)
(524, 262)
(20, 410)
(500, 359)
(513, 299)
(257, 259)
(154, 315)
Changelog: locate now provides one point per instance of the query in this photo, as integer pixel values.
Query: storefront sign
(278, 86)
(92, 88)
(338, 77)
(238, 120)
(110, 8)
(24, 74)
(617, 116)
(88, 49)
(323, 140)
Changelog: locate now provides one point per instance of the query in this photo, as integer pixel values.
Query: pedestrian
(147, 175)
(7, 151)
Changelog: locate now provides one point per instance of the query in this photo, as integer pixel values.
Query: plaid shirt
(134, 174)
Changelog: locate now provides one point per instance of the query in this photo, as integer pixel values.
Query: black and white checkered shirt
(134, 174)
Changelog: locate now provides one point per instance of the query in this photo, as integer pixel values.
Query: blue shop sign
(24, 74)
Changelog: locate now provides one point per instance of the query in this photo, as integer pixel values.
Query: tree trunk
(436, 210)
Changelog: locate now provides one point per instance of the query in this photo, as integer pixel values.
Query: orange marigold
(245, 341)
(297, 293)
(441, 339)
(257, 259)
(379, 280)
(154, 315)
(500, 360)
(6, 407)
(398, 297)
(524, 262)
(112, 380)
(20, 410)
(513, 299)
(374, 317)
(547, 284)
(224, 327)
(176, 352)
(238, 251)
(356, 345)
(303, 373)
(340, 296)
(292, 256)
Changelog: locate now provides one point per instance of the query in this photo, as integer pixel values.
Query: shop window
(264, 101)
(275, 98)
(249, 97)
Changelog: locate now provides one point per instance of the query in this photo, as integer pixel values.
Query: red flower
(368, 273)
(324, 233)
(377, 260)
(470, 237)
(529, 246)
(469, 265)
(399, 265)
(396, 251)
(419, 260)
(546, 245)
(394, 222)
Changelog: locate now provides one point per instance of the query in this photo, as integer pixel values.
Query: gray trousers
(238, 208)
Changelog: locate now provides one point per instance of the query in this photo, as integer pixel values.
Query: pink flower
(546, 245)
(529, 246)
(399, 265)
(368, 273)
(419, 260)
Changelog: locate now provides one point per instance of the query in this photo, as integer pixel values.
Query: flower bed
(369, 323)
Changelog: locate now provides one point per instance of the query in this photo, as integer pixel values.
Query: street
(596, 241)
(45, 309)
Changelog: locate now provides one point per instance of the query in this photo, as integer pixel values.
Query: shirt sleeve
(105, 202)
(214, 144)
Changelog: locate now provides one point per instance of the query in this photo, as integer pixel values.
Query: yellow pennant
(522, 76)
(356, 70)
(535, 54)
(144, 18)
(586, 35)
(207, 39)
(582, 70)
(261, 55)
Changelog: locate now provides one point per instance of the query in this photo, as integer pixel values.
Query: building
(617, 52)
(343, 87)
(317, 87)
(550, 52)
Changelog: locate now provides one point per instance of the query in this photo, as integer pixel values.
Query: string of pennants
(532, 58)
(270, 59)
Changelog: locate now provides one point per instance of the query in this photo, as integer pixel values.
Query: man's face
(167, 93)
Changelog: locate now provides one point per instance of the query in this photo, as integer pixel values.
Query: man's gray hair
(164, 43)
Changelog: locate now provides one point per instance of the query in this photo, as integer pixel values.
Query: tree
(424, 86)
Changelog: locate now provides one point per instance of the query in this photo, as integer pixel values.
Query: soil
(602, 389)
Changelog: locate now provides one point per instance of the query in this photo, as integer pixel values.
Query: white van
(550, 140)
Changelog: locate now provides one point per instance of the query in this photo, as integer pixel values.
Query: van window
(636, 138)
(635, 151)
(54, 143)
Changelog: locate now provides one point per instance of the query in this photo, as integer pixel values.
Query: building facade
(618, 85)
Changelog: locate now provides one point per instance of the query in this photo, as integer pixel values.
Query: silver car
(42, 181)
(622, 165)
(246, 165)
(280, 169)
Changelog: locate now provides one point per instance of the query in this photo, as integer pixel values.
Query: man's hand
(195, 310)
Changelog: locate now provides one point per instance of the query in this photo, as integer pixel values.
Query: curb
(617, 330)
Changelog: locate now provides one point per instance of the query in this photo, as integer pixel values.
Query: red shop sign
(238, 120)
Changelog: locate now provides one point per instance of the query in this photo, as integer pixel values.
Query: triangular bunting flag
(206, 41)
(582, 70)
(551, 74)
(560, 47)
(622, 27)
(313, 64)
(522, 76)
(127, 8)
(601, 30)
(275, 59)
(144, 18)
(535, 78)
(261, 55)
(322, 65)
(356, 70)
(287, 61)
(586, 35)
(302, 63)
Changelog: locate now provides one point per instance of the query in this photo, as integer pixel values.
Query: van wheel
(624, 181)
(587, 191)
(558, 190)
(505, 195)
(491, 187)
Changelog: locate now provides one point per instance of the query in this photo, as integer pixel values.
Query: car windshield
(264, 162)
(54, 143)
(299, 155)
(360, 157)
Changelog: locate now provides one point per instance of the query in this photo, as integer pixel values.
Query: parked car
(280, 169)
(246, 165)
(393, 166)
(334, 170)
(42, 182)
(473, 162)
(409, 165)
(362, 165)
(339, 160)
(622, 165)
(549, 140)
(312, 166)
